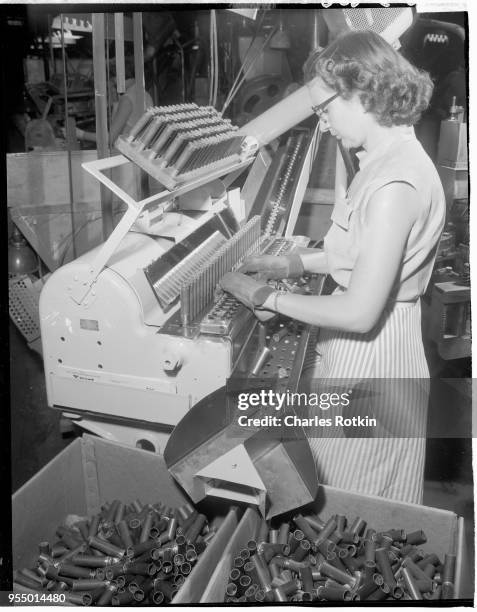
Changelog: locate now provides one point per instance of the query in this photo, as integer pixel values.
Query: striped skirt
(392, 466)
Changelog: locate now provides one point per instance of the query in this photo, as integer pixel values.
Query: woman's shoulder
(407, 161)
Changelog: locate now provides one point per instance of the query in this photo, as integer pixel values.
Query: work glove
(250, 292)
(274, 266)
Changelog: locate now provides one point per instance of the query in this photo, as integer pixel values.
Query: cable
(233, 92)
(245, 58)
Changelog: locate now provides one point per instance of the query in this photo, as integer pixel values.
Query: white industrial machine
(134, 332)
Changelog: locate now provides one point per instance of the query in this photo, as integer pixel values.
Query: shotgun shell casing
(136, 582)
(245, 581)
(186, 568)
(334, 593)
(79, 599)
(44, 548)
(141, 547)
(263, 573)
(328, 528)
(366, 588)
(302, 551)
(435, 594)
(93, 561)
(424, 586)
(411, 587)
(429, 570)
(338, 563)
(270, 550)
(349, 538)
(231, 589)
(191, 555)
(283, 533)
(252, 545)
(259, 595)
(448, 576)
(340, 522)
(234, 575)
(295, 538)
(88, 585)
(306, 577)
(306, 528)
(378, 595)
(342, 552)
(27, 582)
(275, 571)
(75, 571)
(370, 553)
(158, 597)
(326, 569)
(178, 559)
(71, 553)
(327, 548)
(385, 569)
(416, 537)
(196, 528)
(179, 580)
(273, 533)
(107, 595)
(122, 599)
(137, 569)
(28, 573)
(105, 547)
(146, 527)
(58, 549)
(279, 595)
(431, 559)
(416, 571)
(111, 572)
(188, 521)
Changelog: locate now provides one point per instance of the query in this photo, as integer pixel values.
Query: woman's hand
(250, 292)
(274, 266)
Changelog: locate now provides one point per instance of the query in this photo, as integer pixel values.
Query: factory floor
(36, 435)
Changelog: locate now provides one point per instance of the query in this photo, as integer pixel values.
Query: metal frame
(96, 168)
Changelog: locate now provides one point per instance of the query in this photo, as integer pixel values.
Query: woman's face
(345, 119)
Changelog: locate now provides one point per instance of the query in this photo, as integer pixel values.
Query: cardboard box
(444, 530)
(91, 471)
(86, 474)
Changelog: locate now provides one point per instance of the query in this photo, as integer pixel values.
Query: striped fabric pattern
(391, 467)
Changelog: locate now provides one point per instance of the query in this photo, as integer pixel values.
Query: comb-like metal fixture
(168, 287)
(182, 142)
(198, 292)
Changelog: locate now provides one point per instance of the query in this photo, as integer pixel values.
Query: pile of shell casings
(308, 559)
(125, 554)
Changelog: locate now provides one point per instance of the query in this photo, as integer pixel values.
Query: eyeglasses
(320, 109)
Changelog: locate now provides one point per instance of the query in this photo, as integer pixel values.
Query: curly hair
(388, 86)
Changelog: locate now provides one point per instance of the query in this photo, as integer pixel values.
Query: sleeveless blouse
(402, 160)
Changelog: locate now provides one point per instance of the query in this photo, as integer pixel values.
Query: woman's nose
(324, 125)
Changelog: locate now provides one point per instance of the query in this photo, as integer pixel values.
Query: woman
(380, 251)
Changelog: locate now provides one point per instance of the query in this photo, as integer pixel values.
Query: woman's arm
(315, 262)
(390, 215)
